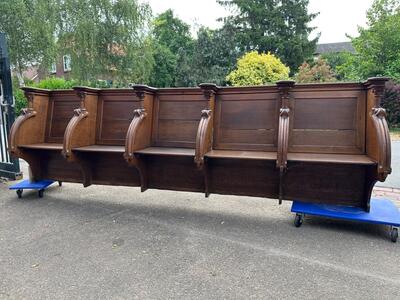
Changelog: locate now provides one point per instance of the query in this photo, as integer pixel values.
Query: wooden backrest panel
(114, 115)
(328, 119)
(246, 119)
(177, 116)
(60, 111)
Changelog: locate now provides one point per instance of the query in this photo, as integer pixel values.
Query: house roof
(334, 48)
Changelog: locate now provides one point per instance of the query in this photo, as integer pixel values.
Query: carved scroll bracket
(203, 138)
(132, 136)
(79, 115)
(382, 132)
(284, 86)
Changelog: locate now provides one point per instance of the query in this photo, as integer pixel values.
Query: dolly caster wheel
(298, 220)
(394, 234)
(60, 183)
(19, 193)
(40, 193)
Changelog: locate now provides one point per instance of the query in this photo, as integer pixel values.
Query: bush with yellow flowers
(258, 69)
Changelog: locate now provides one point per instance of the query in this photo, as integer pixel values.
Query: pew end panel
(38, 134)
(378, 144)
(30, 127)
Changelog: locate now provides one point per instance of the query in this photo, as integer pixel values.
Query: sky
(336, 19)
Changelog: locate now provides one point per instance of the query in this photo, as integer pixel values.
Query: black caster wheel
(394, 234)
(19, 193)
(298, 220)
(60, 183)
(40, 193)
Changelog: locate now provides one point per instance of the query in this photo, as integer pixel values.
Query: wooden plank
(331, 158)
(101, 148)
(43, 146)
(242, 154)
(167, 151)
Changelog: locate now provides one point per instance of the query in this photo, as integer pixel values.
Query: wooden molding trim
(131, 142)
(26, 114)
(203, 137)
(79, 115)
(141, 90)
(378, 116)
(209, 89)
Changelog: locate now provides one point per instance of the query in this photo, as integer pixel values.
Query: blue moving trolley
(382, 211)
(39, 186)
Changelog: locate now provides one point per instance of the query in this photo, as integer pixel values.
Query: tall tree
(215, 54)
(173, 47)
(106, 38)
(377, 46)
(29, 26)
(277, 26)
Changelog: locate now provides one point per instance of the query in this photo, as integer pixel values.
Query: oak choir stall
(321, 143)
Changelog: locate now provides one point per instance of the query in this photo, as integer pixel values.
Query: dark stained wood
(320, 143)
(101, 148)
(237, 154)
(43, 146)
(166, 151)
(331, 158)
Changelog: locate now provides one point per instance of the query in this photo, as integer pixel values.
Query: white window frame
(53, 68)
(67, 63)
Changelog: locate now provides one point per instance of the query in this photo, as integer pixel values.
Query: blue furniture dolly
(39, 186)
(382, 211)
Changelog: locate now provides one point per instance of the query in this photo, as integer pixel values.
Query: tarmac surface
(105, 242)
(393, 180)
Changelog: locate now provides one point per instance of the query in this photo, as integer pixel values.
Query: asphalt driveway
(118, 243)
(393, 179)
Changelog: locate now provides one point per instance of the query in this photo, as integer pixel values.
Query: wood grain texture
(320, 143)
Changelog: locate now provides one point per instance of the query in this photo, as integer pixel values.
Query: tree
(342, 64)
(319, 71)
(172, 41)
(215, 54)
(106, 39)
(377, 46)
(258, 69)
(29, 26)
(277, 26)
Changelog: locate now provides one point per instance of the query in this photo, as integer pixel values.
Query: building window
(67, 63)
(53, 68)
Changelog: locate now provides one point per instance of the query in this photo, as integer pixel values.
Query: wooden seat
(331, 158)
(43, 146)
(237, 154)
(101, 148)
(166, 151)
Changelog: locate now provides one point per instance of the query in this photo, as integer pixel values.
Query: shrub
(257, 69)
(319, 71)
(55, 83)
(391, 102)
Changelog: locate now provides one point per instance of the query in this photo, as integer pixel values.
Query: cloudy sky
(336, 18)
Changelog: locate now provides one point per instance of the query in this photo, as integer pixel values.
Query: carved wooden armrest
(384, 151)
(79, 115)
(26, 114)
(132, 141)
(283, 139)
(203, 138)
